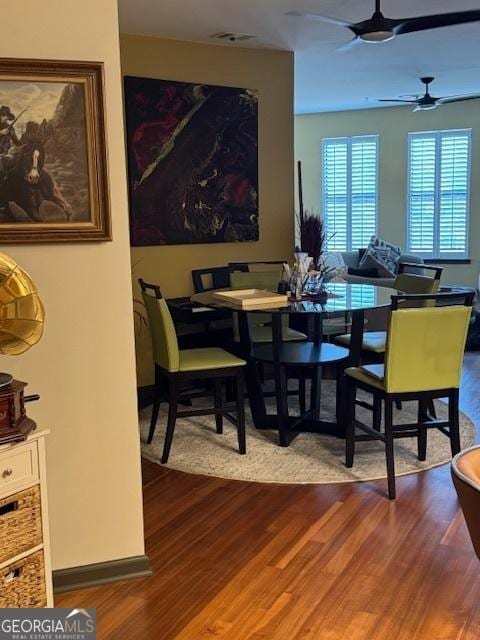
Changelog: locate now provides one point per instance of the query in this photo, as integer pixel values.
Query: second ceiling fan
(378, 28)
(428, 102)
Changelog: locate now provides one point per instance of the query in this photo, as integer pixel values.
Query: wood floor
(239, 561)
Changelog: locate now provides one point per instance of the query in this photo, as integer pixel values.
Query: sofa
(352, 260)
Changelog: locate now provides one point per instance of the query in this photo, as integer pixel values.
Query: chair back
(466, 479)
(257, 265)
(210, 278)
(420, 269)
(162, 329)
(425, 345)
(418, 283)
(256, 279)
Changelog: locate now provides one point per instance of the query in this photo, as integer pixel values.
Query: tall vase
(303, 261)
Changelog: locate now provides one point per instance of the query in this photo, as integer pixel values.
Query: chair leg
(261, 372)
(422, 431)
(377, 413)
(242, 444)
(453, 419)
(302, 394)
(316, 392)
(172, 417)
(389, 448)
(156, 405)
(281, 387)
(218, 404)
(398, 405)
(431, 409)
(340, 401)
(351, 393)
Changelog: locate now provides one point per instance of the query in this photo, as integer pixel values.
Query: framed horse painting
(53, 167)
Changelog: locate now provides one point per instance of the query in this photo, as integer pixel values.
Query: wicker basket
(20, 523)
(22, 583)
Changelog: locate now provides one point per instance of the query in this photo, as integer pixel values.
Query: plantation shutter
(438, 193)
(349, 191)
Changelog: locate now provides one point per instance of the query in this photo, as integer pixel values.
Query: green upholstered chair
(423, 360)
(259, 323)
(173, 366)
(374, 342)
(210, 278)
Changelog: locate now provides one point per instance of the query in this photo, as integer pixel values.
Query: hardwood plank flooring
(246, 561)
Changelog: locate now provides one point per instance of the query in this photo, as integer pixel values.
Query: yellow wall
(84, 367)
(271, 73)
(393, 125)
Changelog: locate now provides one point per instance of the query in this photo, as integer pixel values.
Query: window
(349, 191)
(438, 193)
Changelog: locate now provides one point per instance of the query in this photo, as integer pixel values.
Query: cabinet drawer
(22, 583)
(18, 466)
(20, 523)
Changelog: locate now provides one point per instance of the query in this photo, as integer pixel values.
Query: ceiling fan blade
(321, 18)
(395, 100)
(349, 45)
(421, 23)
(449, 99)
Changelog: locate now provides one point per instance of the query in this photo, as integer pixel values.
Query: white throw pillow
(382, 256)
(332, 260)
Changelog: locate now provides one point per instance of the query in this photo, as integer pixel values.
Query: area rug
(310, 459)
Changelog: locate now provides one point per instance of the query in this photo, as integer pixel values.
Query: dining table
(340, 300)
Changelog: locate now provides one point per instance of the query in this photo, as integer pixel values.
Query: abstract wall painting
(193, 162)
(53, 167)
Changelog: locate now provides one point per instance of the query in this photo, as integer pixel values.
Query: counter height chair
(211, 278)
(423, 360)
(257, 265)
(259, 323)
(466, 479)
(374, 342)
(173, 366)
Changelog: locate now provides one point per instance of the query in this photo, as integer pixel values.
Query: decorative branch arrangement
(311, 233)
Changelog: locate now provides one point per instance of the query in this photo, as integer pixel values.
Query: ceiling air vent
(233, 37)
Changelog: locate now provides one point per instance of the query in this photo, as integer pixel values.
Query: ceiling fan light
(425, 107)
(374, 37)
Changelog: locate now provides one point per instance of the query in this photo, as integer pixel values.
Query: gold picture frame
(53, 152)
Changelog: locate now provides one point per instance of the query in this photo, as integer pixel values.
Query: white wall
(84, 367)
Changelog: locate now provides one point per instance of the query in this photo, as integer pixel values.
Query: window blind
(438, 193)
(349, 190)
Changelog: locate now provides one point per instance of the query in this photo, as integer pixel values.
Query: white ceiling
(327, 79)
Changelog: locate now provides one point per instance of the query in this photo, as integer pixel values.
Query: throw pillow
(364, 273)
(382, 256)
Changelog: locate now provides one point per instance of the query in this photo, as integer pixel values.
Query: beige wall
(271, 73)
(393, 125)
(84, 366)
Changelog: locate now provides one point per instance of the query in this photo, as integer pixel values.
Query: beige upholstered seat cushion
(262, 333)
(371, 374)
(372, 341)
(207, 358)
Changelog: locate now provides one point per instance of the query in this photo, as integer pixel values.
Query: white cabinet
(25, 568)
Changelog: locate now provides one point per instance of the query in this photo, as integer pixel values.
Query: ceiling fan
(427, 102)
(378, 28)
